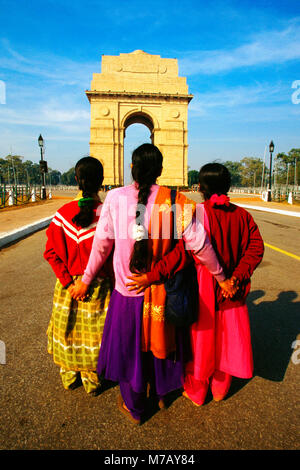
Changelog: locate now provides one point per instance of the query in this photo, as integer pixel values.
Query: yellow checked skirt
(75, 329)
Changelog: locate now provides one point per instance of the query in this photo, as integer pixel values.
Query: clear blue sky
(240, 58)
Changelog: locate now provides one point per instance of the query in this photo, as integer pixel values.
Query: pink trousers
(219, 353)
(197, 389)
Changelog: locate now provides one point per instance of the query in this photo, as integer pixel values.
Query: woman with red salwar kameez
(220, 338)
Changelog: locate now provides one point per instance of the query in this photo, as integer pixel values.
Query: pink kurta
(114, 229)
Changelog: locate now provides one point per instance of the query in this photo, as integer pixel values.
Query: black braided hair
(146, 168)
(214, 178)
(89, 175)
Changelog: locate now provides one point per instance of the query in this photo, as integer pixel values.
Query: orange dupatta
(159, 336)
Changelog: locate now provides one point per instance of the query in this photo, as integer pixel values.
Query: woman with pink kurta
(138, 345)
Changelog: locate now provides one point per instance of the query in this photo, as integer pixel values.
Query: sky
(241, 59)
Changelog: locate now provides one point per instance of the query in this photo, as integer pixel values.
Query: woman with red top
(220, 339)
(75, 329)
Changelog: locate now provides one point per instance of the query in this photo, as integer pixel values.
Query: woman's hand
(78, 290)
(229, 287)
(235, 281)
(139, 283)
(70, 288)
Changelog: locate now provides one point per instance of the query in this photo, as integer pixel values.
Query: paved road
(36, 413)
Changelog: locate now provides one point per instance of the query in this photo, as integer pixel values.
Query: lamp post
(271, 150)
(43, 166)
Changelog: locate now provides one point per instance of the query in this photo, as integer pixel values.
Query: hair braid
(89, 174)
(146, 167)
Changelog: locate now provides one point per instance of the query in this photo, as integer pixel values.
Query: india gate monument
(139, 88)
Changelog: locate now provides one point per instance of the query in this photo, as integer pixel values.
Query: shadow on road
(274, 327)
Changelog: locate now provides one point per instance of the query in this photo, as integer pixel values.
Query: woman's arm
(169, 265)
(55, 253)
(253, 254)
(178, 258)
(101, 248)
(198, 243)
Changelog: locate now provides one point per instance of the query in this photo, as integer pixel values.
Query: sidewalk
(21, 221)
(257, 203)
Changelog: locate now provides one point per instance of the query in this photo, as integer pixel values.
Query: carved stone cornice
(138, 95)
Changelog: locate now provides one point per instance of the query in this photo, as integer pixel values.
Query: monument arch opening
(138, 129)
(135, 135)
(139, 118)
(145, 89)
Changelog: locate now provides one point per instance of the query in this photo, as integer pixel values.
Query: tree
(251, 171)
(4, 168)
(32, 173)
(193, 177)
(15, 162)
(234, 169)
(13, 170)
(287, 167)
(248, 172)
(68, 177)
(295, 155)
(54, 176)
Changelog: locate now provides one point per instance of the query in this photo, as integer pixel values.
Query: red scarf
(217, 200)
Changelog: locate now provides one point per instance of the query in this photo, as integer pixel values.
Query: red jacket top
(68, 246)
(237, 242)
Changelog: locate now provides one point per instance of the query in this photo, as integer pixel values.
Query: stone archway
(139, 88)
(146, 122)
(139, 118)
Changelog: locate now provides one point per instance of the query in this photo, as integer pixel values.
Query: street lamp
(271, 150)
(43, 166)
(41, 141)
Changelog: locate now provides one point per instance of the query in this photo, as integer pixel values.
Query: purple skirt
(121, 358)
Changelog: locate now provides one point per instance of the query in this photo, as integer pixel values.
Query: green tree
(32, 173)
(193, 177)
(295, 155)
(68, 177)
(287, 167)
(53, 177)
(4, 171)
(14, 170)
(234, 169)
(15, 163)
(251, 171)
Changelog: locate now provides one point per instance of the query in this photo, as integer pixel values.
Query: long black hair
(146, 168)
(89, 176)
(214, 178)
